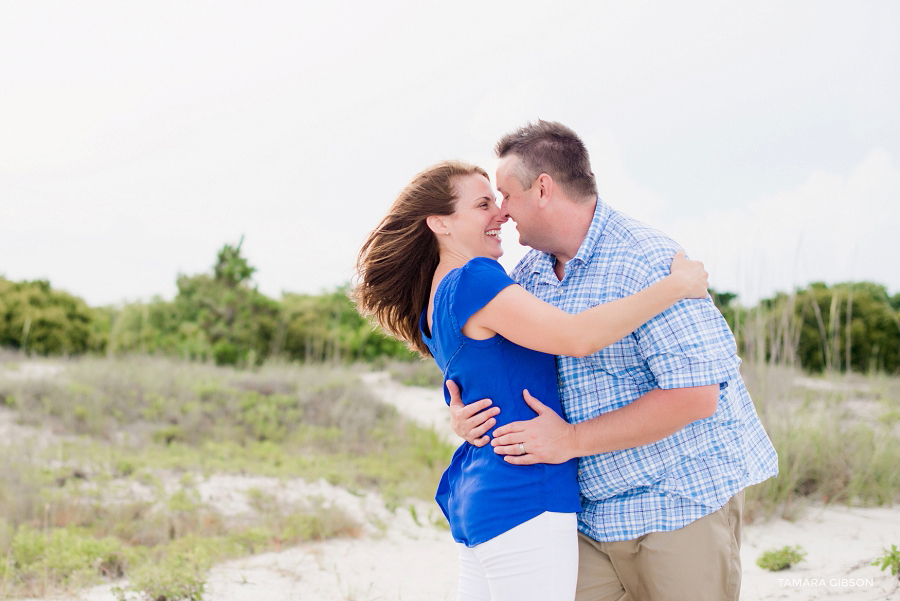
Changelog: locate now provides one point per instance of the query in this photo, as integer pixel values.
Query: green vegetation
(218, 316)
(38, 319)
(116, 489)
(890, 560)
(108, 484)
(847, 327)
(833, 442)
(837, 434)
(221, 316)
(179, 576)
(776, 560)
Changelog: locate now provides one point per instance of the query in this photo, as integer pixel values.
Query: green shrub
(776, 560)
(36, 318)
(168, 434)
(225, 352)
(68, 557)
(890, 560)
(179, 576)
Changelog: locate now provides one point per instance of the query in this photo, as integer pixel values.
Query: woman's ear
(436, 224)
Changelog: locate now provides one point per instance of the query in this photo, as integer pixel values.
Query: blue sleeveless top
(480, 494)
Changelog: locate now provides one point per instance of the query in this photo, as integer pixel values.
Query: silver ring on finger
(522, 448)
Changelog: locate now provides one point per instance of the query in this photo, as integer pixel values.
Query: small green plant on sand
(890, 560)
(177, 577)
(776, 560)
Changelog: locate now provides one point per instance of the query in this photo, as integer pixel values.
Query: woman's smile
(477, 217)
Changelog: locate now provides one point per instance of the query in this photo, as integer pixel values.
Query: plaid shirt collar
(544, 265)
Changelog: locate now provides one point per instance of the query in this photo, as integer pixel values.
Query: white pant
(537, 560)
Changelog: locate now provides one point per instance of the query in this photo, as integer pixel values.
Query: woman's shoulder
(483, 265)
(481, 278)
(481, 272)
(479, 269)
(472, 286)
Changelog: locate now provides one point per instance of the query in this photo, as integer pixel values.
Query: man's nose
(504, 211)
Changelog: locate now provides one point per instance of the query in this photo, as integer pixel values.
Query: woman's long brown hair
(397, 261)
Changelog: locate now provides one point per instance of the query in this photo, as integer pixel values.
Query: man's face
(517, 203)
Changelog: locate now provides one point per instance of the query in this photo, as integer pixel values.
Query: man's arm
(686, 360)
(654, 416)
(689, 351)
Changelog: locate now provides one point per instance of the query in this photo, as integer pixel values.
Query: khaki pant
(698, 562)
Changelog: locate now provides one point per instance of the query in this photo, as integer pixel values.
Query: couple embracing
(608, 432)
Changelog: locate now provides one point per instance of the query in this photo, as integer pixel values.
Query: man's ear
(545, 186)
(436, 224)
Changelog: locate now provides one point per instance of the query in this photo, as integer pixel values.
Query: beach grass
(100, 471)
(98, 478)
(837, 438)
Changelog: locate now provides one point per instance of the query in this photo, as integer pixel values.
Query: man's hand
(471, 421)
(547, 438)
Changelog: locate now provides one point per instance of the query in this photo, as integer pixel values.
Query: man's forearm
(548, 438)
(650, 418)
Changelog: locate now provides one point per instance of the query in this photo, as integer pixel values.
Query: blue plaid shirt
(665, 485)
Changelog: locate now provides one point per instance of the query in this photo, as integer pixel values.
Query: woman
(428, 274)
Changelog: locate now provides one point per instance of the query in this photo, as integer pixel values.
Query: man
(666, 433)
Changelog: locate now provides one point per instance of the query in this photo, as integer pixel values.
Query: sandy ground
(841, 544)
(424, 405)
(403, 556)
(412, 562)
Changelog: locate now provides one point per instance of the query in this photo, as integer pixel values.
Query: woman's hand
(471, 421)
(691, 275)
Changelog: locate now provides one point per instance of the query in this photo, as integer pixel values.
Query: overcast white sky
(138, 137)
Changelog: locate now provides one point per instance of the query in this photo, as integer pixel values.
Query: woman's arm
(528, 321)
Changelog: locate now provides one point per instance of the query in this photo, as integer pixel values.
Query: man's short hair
(552, 148)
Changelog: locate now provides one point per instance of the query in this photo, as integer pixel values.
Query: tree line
(221, 316)
(852, 326)
(218, 316)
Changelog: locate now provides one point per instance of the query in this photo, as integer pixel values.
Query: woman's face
(475, 225)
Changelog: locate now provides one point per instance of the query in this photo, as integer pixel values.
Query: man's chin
(521, 237)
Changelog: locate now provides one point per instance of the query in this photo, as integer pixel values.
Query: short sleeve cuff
(673, 371)
(480, 280)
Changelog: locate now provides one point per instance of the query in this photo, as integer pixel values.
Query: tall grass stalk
(837, 438)
(836, 433)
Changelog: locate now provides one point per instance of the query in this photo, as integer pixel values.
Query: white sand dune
(418, 563)
(841, 544)
(404, 556)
